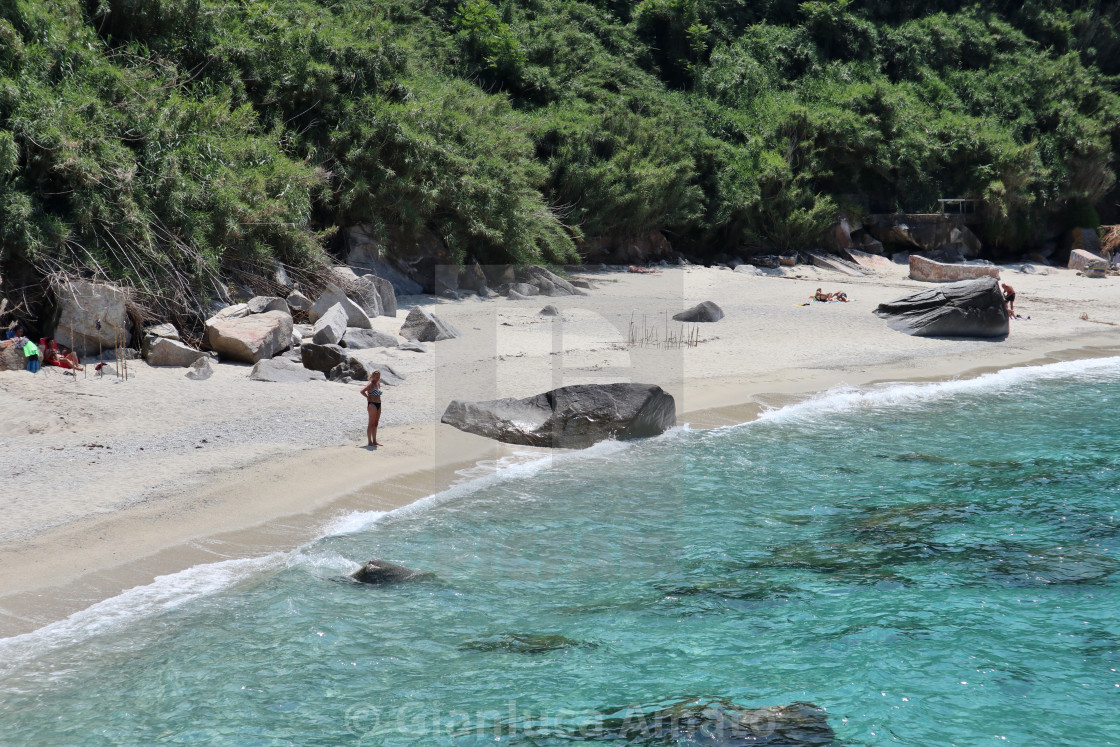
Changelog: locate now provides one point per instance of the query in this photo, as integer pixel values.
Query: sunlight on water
(928, 564)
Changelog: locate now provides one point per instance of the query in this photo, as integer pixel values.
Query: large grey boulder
(422, 325)
(156, 331)
(330, 326)
(970, 308)
(523, 290)
(362, 339)
(706, 311)
(321, 357)
(569, 417)
(360, 370)
(378, 572)
(261, 304)
(282, 370)
(355, 314)
(297, 303)
(250, 338)
(163, 351)
(91, 316)
(367, 294)
(385, 292)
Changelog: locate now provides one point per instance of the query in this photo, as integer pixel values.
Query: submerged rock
(970, 308)
(378, 572)
(718, 722)
(526, 643)
(571, 417)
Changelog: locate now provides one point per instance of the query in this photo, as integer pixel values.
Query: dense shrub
(163, 141)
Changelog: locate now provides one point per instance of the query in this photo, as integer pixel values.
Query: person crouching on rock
(372, 393)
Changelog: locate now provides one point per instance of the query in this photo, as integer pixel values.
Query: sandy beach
(110, 483)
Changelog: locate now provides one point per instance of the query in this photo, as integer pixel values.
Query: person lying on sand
(827, 297)
(642, 270)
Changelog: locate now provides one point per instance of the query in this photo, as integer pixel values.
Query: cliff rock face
(970, 308)
(572, 417)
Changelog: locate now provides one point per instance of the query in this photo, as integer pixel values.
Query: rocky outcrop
(250, 338)
(236, 311)
(625, 250)
(926, 232)
(1086, 240)
(569, 417)
(422, 325)
(362, 339)
(548, 282)
(378, 572)
(91, 317)
(706, 311)
(155, 332)
(868, 260)
(163, 351)
(262, 304)
(355, 314)
(330, 326)
(281, 370)
(930, 271)
(837, 264)
(407, 259)
(524, 290)
(971, 308)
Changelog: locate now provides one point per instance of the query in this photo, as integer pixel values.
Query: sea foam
(843, 399)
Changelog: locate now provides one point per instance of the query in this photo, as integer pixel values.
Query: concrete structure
(929, 271)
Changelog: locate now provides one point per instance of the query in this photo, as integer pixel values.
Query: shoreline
(239, 513)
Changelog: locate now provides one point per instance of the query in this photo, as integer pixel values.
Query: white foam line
(163, 594)
(848, 399)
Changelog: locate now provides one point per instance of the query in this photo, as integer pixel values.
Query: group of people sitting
(48, 351)
(826, 297)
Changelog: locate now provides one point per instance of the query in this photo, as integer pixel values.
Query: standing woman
(373, 406)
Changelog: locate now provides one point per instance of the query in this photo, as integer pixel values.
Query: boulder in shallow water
(706, 311)
(378, 572)
(970, 308)
(571, 417)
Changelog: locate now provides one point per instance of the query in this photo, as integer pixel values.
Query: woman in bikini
(372, 393)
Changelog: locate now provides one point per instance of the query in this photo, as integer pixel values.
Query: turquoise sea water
(931, 564)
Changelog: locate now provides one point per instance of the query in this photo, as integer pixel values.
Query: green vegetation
(163, 142)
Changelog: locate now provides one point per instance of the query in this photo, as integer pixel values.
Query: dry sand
(109, 483)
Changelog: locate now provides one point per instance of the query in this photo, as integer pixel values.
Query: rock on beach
(250, 338)
(424, 326)
(969, 308)
(571, 417)
(706, 311)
